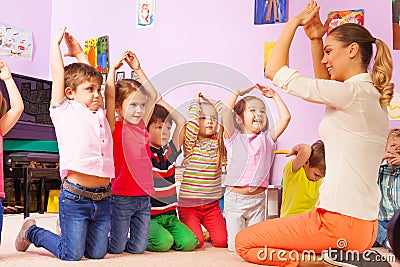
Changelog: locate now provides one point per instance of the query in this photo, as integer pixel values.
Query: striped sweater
(164, 200)
(201, 182)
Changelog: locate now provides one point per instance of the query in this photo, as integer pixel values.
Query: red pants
(211, 217)
(275, 242)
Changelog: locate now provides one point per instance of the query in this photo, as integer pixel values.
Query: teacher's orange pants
(283, 241)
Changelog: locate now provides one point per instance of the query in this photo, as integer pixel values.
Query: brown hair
(317, 157)
(239, 109)
(160, 114)
(222, 154)
(382, 69)
(78, 73)
(126, 86)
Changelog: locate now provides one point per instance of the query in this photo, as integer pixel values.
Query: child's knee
(186, 244)
(220, 242)
(161, 244)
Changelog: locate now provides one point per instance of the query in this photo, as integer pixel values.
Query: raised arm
(227, 110)
(315, 31)
(192, 125)
(283, 111)
(151, 92)
(109, 91)
(8, 120)
(302, 153)
(178, 135)
(57, 69)
(280, 52)
(74, 49)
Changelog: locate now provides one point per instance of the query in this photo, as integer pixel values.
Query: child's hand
(120, 61)
(74, 48)
(266, 91)
(5, 73)
(132, 61)
(242, 92)
(197, 97)
(292, 153)
(60, 35)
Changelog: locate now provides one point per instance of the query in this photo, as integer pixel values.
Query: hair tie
(373, 40)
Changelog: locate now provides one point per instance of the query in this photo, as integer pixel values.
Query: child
(166, 231)
(302, 177)
(200, 190)
(133, 183)
(7, 120)
(250, 146)
(86, 164)
(388, 181)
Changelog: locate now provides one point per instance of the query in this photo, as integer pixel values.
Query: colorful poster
(15, 42)
(346, 16)
(268, 46)
(145, 13)
(270, 11)
(96, 50)
(396, 24)
(394, 108)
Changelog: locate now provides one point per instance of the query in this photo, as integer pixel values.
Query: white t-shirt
(354, 130)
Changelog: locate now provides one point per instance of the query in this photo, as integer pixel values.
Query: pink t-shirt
(84, 139)
(2, 195)
(250, 159)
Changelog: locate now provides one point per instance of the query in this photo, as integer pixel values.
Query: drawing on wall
(96, 50)
(267, 53)
(15, 42)
(396, 24)
(270, 11)
(394, 107)
(346, 16)
(145, 13)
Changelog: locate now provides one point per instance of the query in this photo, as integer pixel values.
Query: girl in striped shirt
(200, 191)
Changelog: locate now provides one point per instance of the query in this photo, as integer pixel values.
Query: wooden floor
(38, 257)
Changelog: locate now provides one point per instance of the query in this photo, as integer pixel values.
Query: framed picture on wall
(104, 77)
(134, 76)
(120, 75)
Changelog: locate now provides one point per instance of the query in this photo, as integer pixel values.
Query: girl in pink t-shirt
(250, 145)
(7, 121)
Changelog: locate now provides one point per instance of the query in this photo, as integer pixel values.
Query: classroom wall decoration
(15, 42)
(396, 24)
(270, 11)
(394, 107)
(96, 50)
(145, 13)
(267, 52)
(346, 16)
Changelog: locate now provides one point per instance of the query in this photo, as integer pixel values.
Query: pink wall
(34, 16)
(190, 31)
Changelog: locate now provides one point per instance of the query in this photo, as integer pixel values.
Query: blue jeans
(133, 214)
(381, 237)
(84, 223)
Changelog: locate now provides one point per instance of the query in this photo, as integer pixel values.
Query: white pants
(242, 211)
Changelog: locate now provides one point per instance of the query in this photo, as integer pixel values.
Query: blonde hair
(221, 150)
(382, 69)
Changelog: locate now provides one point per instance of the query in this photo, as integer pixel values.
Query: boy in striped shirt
(166, 230)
